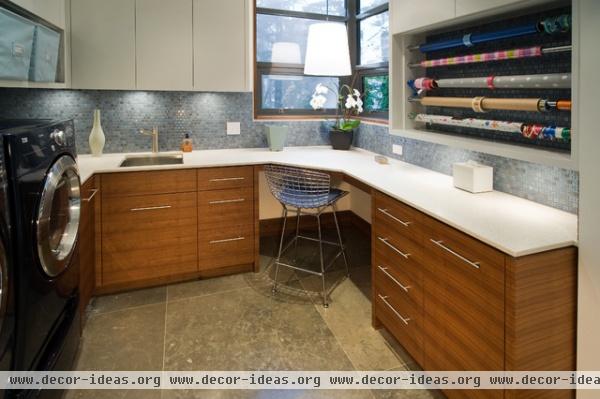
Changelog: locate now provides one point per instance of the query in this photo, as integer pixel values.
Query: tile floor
(235, 323)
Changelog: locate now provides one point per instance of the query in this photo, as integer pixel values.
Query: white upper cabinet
(410, 14)
(103, 44)
(220, 45)
(52, 11)
(466, 7)
(164, 49)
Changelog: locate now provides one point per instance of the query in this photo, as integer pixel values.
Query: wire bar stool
(304, 189)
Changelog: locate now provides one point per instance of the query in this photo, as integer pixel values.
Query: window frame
(352, 21)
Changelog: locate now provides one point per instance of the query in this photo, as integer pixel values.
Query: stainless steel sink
(149, 160)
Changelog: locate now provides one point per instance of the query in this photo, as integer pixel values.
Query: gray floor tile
(125, 300)
(269, 394)
(349, 318)
(120, 340)
(209, 286)
(249, 331)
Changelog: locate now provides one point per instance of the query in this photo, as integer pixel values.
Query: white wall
(588, 348)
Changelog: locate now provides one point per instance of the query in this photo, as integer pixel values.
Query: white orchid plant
(349, 104)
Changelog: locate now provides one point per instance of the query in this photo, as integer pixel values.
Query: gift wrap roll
(482, 104)
(541, 81)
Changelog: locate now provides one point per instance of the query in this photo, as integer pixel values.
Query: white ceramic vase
(97, 138)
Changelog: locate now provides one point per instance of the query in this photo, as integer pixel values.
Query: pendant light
(327, 50)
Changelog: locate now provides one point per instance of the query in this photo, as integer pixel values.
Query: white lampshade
(327, 51)
(286, 53)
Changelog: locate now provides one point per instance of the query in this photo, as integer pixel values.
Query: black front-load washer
(44, 192)
(7, 281)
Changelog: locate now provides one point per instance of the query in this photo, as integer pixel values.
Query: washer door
(58, 216)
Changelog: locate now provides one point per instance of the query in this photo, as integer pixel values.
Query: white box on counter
(473, 177)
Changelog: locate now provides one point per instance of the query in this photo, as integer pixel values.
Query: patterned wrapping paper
(531, 131)
(535, 51)
(535, 81)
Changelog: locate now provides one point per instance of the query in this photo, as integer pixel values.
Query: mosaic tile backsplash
(204, 115)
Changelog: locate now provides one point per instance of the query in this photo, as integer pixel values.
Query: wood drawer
(398, 217)
(148, 237)
(400, 316)
(218, 208)
(407, 279)
(394, 247)
(221, 178)
(148, 182)
(227, 246)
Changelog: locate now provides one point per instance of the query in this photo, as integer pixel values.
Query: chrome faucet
(154, 134)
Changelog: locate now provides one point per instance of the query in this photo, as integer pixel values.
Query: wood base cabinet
(225, 218)
(149, 227)
(87, 244)
(173, 225)
(455, 303)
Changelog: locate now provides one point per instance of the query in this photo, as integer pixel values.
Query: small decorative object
(380, 159)
(349, 104)
(473, 177)
(276, 136)
(97, 138)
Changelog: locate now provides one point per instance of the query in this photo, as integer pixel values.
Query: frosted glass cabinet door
(220, 50)
(164, 50)
(103, 44)
(465, 7)
(410, 14)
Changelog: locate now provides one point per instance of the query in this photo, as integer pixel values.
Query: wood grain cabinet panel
(148, 237)
(219, 208)
(87, 244)
(148, 183)
(222, 178)
(227, 246)
(472, 307)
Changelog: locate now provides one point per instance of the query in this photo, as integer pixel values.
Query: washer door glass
(58, 216)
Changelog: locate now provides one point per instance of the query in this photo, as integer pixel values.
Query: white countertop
(511, 224)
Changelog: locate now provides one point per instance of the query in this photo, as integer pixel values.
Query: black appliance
(7, 278)
(44, 196)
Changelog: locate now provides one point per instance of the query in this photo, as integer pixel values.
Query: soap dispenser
(186, 143)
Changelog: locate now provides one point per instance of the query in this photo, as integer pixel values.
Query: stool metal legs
(319, 240)
(278, 260)
(337, 227)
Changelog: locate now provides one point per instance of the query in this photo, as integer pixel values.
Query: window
(281, 90)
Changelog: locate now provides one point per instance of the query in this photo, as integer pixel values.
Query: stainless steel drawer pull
(385, 241)
(227, 240)
(440, 244)
(226, 201)
(227, 178)
(150, 208)
(384, 270)
(384, 299)
(386, 213)
(94, 191)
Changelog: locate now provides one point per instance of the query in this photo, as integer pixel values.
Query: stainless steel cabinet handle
(227, 240)
(227, 201)
(386, 213)
(385, 241)
(384, 299)
(227, 178)
(384, 270)
(150, 208)
(440, 244)
(88, 199)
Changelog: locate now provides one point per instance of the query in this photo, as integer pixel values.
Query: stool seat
(298, 198)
